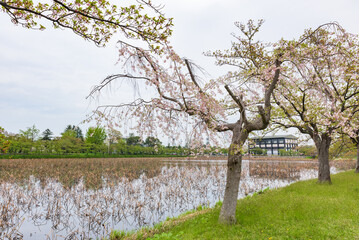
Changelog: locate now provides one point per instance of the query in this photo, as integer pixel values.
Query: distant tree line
(96, 142)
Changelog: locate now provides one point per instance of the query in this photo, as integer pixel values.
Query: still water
(49, 209)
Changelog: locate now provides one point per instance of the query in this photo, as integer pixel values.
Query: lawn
(303, 210)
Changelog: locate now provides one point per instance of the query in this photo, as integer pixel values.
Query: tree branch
(239, 101)
(192, 76)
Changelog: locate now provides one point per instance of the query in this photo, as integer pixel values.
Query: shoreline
(271, 214)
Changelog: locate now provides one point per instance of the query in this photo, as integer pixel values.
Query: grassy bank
(303, 210)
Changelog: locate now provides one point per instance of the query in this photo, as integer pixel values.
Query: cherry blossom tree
(352, 127)
(319, 86)
(95, 21)
(180, 97)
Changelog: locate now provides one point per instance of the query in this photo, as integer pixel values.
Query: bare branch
(111, 78)
(192, 75)
(239, 100)
(271, 87)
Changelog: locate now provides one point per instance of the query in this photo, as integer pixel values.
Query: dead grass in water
(71, 171)
(164, 188)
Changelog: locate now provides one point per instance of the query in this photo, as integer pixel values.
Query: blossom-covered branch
(96, 21)
(318, 88)
(176, 96)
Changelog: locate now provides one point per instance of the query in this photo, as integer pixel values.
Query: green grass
(303, 210)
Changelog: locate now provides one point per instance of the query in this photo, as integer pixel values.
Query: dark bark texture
(234, 167)
(322, 144)
(241, 130)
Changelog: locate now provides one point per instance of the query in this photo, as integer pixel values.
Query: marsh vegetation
(87, 198)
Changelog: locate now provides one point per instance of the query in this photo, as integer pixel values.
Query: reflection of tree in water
(149, 192)
(81, 213)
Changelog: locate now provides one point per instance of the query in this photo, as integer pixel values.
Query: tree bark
(234, 168)
(323, 145)
(241, 130)
(228, 210)
(357, 167)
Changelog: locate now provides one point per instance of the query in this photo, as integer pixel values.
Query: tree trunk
(234, 168)
(323, 158)
(357, 168)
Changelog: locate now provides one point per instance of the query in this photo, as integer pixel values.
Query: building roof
(275, 136)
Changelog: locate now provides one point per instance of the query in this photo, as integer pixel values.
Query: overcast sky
(46, 75)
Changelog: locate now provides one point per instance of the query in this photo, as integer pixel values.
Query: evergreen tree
(152, 141)
(47, 135)
(133, 140)
(74, 131)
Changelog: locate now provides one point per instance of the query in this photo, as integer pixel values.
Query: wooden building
(272, 144)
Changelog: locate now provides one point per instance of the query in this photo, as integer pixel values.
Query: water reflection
(49, 209)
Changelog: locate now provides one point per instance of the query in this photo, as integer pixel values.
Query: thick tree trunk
(357, 168)
(241, 130)
(228, 210)
(234, 168)
(323, 158)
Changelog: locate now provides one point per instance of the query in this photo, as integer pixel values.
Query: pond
(83, 199)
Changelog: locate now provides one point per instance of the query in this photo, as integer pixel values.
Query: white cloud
(45, 76)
